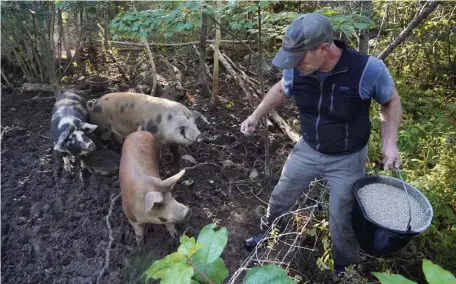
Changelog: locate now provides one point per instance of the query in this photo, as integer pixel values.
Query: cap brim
(287, 60)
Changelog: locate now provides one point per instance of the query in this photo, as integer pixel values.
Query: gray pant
(303, 165)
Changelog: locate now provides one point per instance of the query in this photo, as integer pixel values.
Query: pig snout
(182, 216)
(91, 146)
(199, 138)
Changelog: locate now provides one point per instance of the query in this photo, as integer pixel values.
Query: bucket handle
(398, 170)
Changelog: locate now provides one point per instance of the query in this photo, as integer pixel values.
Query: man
(333, 87)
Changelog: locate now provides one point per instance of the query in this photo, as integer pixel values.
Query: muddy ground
(54, 228)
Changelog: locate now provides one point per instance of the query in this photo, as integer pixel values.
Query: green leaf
(386, 278)
(215, 271)
(180, 273)
(188, 246)
(188, 25)
(436, 274)
(214, 243)
(263, 3)
(252, 9)
(361, 26)
(142, 34)
(168, 35)
(267, 274)
(194, 282)
(163, 263)
(180, 26)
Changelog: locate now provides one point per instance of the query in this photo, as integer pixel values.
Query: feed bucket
(98, 83)
(376, 239)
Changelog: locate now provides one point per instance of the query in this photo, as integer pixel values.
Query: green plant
(433, 272)
(200, 262)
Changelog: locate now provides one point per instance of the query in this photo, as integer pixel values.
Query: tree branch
(406, 32)
(233, 35)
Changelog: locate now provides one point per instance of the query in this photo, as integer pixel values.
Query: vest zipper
(318, 118)
(319, 107)
(332, 98)
(346, 136)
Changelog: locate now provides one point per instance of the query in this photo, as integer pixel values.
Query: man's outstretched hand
(249, 125)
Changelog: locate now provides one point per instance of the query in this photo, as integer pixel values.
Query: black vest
(334, 117)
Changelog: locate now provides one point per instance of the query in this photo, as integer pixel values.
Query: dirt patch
(54, 227)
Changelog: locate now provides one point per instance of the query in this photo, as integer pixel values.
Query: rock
(253, 174)
(227, 163)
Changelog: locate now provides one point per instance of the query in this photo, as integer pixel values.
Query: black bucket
(376, 239)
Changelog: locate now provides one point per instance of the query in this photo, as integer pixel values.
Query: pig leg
(171, 229)
(139, 232)
(174, 148)
(119, 138)
(85, 171)
(66, 162)
(105, 135)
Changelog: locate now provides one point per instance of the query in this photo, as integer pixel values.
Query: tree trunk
(406, 32)
(152, 63)
(202, 59)
(363, 40)
(215, 79)
(63, 35)
(105, 27)
(267, 171)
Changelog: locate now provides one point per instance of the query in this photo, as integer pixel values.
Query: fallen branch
(275, 117)
(208, 70)
(178, 44)
(175, 72)
(235, 75)
(284, 126)
(3, 133)
(111, 238)
(8, 84)
(246, 77)
(248, 90)
(26, 87)
(201, 164)
(38, 98)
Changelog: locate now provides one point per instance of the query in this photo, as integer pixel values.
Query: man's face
(313, 61)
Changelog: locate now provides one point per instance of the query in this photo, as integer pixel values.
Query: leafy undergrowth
(200, 262)
(427, 143)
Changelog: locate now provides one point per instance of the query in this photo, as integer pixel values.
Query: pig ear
(91, 103)
(87, 127)
(197, 114)
(151, 198)
(171, 181)
(167, 184)
(62, 138)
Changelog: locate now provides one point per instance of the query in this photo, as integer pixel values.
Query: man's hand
(391, 157)
(249, 125)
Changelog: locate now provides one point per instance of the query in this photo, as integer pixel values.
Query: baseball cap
(305, 33)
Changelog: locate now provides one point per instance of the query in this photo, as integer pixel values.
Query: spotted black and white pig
(70, 129)
(123, 113)
(146, 198)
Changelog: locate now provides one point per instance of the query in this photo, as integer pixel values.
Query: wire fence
(282, 248)
(296, 246)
